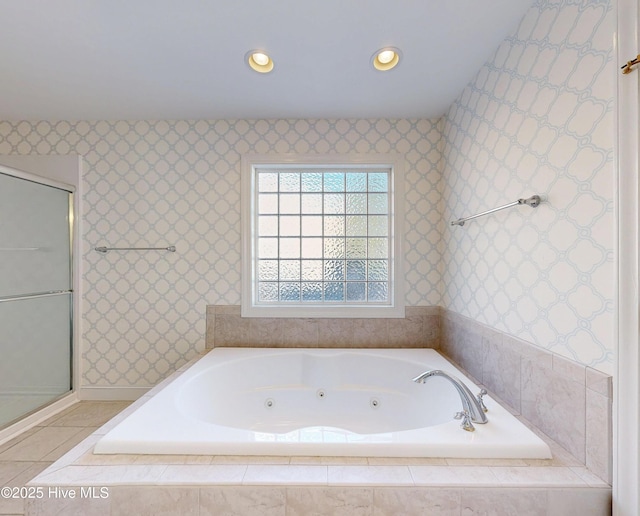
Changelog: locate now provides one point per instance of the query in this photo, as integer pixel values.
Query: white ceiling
(184, 59)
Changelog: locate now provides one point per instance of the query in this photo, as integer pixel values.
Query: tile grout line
(415, 484)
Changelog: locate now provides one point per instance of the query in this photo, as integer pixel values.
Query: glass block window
(322, 236)
(321, 240)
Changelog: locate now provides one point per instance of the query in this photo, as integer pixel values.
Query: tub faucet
(472, 407)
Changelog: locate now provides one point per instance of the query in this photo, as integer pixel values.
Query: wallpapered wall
(178, 183)
(538, 118)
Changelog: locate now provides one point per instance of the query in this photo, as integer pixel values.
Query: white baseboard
(111, 393)
(37, 417)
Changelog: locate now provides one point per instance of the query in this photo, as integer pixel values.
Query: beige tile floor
(31, 452)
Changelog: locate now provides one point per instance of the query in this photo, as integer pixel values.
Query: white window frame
(396, 306)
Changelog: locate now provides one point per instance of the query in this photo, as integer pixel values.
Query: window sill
(334, 312)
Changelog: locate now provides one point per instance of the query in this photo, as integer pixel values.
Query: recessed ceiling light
(259, 61)
(386, 59)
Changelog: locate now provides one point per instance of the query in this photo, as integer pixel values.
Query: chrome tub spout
(472, 407)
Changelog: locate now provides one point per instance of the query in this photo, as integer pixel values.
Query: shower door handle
(35, 295)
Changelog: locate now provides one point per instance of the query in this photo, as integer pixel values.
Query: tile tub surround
(160, 484)
(568, 401)
(420, 328)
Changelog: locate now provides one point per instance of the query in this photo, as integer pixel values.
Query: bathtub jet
(473, 408)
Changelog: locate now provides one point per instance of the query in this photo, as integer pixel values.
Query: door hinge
(628, 68)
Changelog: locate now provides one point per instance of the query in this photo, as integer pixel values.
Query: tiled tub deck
(216, 485)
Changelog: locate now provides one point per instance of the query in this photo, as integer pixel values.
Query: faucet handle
(466, 420)
(482, 393)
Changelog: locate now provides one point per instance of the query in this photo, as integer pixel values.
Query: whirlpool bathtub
(317, 402)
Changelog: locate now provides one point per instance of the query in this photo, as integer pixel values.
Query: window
(321, 237)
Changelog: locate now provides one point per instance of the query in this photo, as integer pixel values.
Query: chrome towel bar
(532, 201)
(104, 250)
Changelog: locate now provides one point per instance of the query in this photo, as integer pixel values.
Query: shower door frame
(69, 395)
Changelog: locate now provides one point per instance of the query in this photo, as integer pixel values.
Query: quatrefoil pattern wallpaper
(537, 119)
(178, 183)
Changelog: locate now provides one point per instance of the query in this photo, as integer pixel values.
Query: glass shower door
(35, 295)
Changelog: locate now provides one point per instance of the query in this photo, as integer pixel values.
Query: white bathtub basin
(317, 402)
